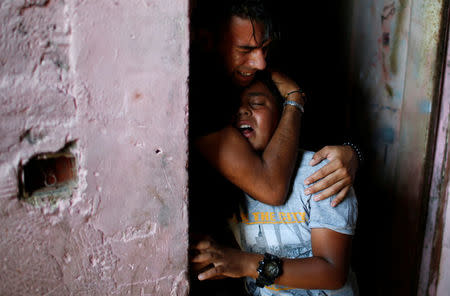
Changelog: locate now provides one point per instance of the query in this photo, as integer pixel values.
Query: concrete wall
(109, 77)
(396, 61)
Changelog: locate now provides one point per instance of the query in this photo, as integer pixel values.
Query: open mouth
(245, 130)
(246, 74)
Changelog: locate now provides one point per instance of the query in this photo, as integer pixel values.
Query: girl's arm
(327, 269)
(265, 177)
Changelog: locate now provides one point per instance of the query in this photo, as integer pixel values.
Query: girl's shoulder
(303, 168)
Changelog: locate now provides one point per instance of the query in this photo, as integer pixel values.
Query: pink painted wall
(438, 226)
(435, 270)
(443, 280)
(112, 76)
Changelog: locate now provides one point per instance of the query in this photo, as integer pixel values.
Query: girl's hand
(226, 262)
(286, 85)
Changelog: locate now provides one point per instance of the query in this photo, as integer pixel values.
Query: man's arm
(327, 269)
(265, 177)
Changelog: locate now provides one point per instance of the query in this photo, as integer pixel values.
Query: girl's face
(258, 115)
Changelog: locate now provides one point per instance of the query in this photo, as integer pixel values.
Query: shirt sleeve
(341, 218)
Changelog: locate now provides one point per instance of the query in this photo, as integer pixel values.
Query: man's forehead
(244, 32)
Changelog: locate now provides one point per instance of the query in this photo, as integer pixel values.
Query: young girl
(299, 248)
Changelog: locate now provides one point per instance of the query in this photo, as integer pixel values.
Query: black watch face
(271, 269)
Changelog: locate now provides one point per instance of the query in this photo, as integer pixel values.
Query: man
(229, 45)
(238, 38)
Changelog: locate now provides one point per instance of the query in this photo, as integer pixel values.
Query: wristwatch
(268, 270)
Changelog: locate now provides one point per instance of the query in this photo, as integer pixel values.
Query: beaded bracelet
(295, 104)
(300, 91)
(356, 149)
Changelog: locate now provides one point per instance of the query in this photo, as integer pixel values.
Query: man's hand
(225, 262)
(286, 85)
(337, 176)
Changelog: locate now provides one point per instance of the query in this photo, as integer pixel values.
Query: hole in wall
(48, 177)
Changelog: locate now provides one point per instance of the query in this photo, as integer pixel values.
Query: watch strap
(267, 280)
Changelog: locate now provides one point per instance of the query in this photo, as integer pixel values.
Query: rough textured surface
(396, 52)
(435, 270)
(110, 75)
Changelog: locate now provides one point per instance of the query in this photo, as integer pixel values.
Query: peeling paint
(387, 135)
(425, 106)
(111, 74)
(399, 35)
(396, 50)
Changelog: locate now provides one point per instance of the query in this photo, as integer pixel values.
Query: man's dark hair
(257, 11)
(214, 15)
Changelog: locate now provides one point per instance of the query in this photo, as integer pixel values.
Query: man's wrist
(357, 152)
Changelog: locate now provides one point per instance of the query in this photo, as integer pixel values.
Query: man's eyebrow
(247, 47)
(264, 43)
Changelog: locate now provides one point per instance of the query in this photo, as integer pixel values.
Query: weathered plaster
(434, 269)
(110, 75)
(396, 47)
(443, 284)
(380, 45)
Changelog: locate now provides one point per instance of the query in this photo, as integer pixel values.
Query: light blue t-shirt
(285, 230)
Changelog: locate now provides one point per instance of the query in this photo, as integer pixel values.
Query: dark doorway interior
(314, 51)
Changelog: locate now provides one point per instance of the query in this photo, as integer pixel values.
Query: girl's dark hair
(266, 78)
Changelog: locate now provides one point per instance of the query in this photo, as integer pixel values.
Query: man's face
(258, 115)
(244, 50)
